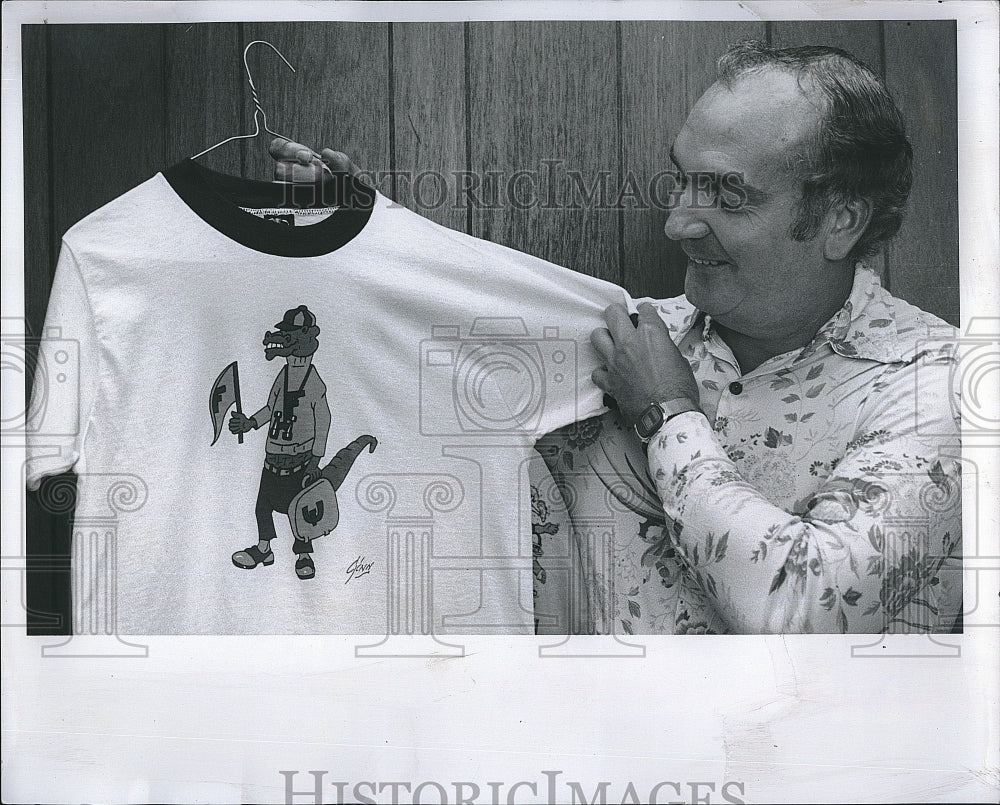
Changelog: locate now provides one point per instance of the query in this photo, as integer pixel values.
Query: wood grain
(46, 591)
(428, 67)
(665, 68)
(337, 98)
(108, 101)
(543, 91)
(206, 94)
(39, 261)
(920, 67)
(859, 38)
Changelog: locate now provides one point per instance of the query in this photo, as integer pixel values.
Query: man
(800, 425)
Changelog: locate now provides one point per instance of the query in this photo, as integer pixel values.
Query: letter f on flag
(225, 392)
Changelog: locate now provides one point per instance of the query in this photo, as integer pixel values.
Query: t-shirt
(244, 393)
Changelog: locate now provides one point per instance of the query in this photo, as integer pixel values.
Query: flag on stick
(225, 392)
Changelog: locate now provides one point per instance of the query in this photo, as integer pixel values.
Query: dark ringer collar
(216, 198)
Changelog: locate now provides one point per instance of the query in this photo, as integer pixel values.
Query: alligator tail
(336, 471)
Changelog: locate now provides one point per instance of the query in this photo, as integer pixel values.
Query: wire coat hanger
(259, 115)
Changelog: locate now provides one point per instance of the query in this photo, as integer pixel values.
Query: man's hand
(642, 365)
(240, 423)
(298, 163)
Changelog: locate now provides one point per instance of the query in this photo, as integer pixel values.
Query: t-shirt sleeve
(65, 376)
(549, 384)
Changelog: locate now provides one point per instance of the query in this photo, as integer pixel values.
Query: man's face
(744, 269)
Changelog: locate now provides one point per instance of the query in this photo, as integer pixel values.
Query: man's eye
(730, 202)
(732, 193)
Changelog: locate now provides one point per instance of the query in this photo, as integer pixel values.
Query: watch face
(650, 421)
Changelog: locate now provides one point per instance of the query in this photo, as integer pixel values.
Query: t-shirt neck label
(291, 217)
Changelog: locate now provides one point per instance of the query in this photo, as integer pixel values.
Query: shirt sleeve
(876, 548)
(543, 384)
(66, 369)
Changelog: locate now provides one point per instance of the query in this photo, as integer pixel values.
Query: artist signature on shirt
(358, 568)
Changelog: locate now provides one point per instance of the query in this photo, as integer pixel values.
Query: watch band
(657, 414)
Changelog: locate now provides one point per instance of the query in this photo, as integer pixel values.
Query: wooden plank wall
(108, 106)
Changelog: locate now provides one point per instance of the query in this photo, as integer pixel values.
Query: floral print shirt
(819, 492)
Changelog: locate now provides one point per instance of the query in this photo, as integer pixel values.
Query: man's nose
(685, 222)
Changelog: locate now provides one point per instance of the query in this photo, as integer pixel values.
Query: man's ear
(849, 220)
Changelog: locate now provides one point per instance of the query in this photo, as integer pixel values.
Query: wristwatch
(658, 413)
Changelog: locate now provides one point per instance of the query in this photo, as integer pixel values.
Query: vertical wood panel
(429, 101)
(665, 67)
(546, 91)
(337, 98)
(108, 135)
(859, 38)
(39, 262)
(206, 93)
(46, 587)
(920, 67)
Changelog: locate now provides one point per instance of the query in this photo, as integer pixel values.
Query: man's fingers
(603, 343)
(619, 323)
(601, 379)
(294, 162)
(299, 163)
(288, 151)
(304, 164)
(649, 315)
(338, 161)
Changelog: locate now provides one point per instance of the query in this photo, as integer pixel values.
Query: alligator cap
(295, 318)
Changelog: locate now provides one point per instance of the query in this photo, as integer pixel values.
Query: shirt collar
(870, 323)
(870, 326)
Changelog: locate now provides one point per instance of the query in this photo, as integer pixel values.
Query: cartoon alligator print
(297, 416)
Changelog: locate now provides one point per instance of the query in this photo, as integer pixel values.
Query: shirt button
(735, 388)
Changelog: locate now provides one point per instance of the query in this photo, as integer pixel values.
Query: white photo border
(788, 718)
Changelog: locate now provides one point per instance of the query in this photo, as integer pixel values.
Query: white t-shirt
(439, 359)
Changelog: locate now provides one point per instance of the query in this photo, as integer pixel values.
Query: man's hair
(859, 149)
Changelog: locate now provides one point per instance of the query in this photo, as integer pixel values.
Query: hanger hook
(246, 64)
(258, 108)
